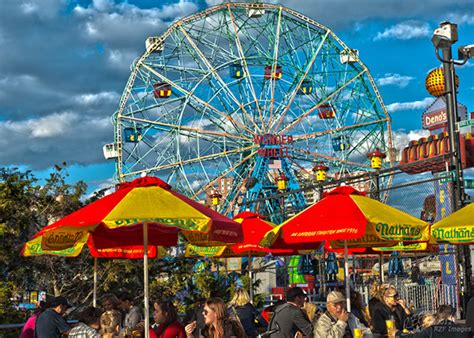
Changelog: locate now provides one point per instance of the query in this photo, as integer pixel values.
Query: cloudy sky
(64, 64)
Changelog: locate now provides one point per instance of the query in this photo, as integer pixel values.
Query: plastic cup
(358, 333)
(390, 324)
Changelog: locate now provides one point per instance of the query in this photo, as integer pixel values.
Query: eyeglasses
(395, 296)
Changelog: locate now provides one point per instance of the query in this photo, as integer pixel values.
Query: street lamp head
(466, 52)
(445, 35)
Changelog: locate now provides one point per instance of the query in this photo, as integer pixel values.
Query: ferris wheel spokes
(298, 86)
(247, 74)
(198, 100)
(332, 159)
(224, 174)
(299, 138)
(190, 131)
(326, 99)
(218, 78)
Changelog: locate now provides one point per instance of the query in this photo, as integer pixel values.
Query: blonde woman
(217, 325)
(243, 311)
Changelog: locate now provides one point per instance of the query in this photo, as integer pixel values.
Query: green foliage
(6, 297)
(27, 205)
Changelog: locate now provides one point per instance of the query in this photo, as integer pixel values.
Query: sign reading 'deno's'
(273, 145)
(435, 120)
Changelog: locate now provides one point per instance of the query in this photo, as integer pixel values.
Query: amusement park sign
(435, 120)
(273, 145)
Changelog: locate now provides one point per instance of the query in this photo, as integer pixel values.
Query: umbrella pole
(250, 279)
(94, 294)
(346, 275)
(323, 275)
(145, 279)
(382, 278)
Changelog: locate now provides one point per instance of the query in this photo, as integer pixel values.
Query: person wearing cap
(333, 322)
(290, 318)
(51, 324)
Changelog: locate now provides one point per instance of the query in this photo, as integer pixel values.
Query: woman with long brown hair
(166, 316)
(217, 325)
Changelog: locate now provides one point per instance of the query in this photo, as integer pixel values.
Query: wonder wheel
(239, 97)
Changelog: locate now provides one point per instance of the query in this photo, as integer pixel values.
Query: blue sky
(64, 64)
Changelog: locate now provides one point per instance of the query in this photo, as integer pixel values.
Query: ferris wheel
(247, 95)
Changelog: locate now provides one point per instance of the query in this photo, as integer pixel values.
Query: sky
(64, 65)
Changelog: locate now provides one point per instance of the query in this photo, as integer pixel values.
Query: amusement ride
(243, 101)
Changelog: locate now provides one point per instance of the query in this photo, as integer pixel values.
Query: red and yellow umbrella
(116, 220)
(147, 203)
(346, 214)
(254, 227)
(457, 228)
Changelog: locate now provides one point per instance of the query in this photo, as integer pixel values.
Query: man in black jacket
(290, 318)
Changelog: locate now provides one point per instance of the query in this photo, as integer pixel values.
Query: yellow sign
(454, 234)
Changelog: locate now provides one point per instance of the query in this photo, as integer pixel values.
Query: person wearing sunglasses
(217, 324)
(390, 308)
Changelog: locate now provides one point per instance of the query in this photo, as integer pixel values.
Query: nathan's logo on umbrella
(368, 238)
(188, 224)
(398, 231)
(204, 251)
(61, 240)
(456, 234)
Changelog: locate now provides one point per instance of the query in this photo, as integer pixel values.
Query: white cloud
(394, 79)
(121, 59)
(62, 136)
(98, 98)
(405, 31)
(123, 24)
(461, 18)
(401, 137)
(397, 106)
(49, 126)
(45, 9)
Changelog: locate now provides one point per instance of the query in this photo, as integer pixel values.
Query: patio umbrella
(457, 228)
(254, 227)
(147, 203)
(348, 215)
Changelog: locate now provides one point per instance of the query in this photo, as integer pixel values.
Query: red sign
(273, 145)
(435, 120)
(269, 139)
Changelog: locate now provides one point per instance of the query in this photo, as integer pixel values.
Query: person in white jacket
(333, 322)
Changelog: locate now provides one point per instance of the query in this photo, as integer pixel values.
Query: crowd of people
(386, 315)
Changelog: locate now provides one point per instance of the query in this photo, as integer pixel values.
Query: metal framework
(203, 96)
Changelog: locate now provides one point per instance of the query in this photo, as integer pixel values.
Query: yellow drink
(358, 333)
(390, 324)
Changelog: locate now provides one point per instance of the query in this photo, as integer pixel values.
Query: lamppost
(443, 38)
